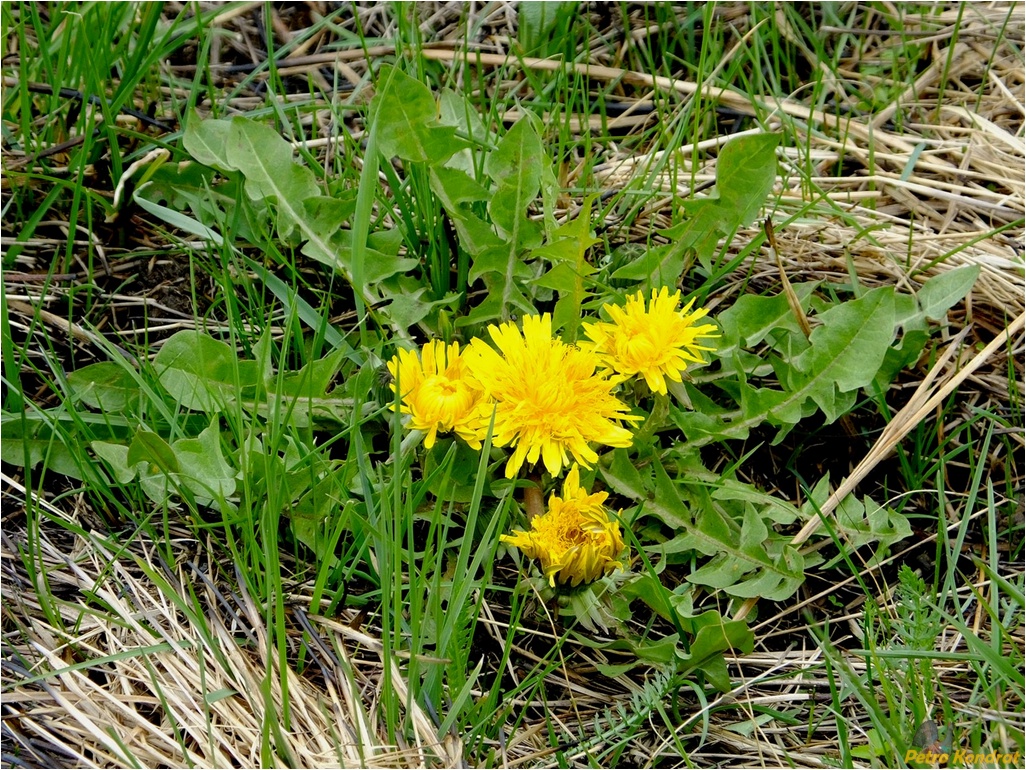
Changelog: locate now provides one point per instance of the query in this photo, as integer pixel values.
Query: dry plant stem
(728, 98)
(534, 501)
(449, 748)
(69, 327)
(914, 412)
(792, 298)
(737, 101)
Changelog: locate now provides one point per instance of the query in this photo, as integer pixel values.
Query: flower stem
(655, 420)
(534, 502)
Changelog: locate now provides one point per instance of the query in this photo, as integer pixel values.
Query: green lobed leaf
(741, 562)
(663, 651)
(707, 221)
(713, 636)
(491, 265)
(654, 594)
(863, 521)
(741, 565)
(907, 312)
(933, 301)
(649, 265)
(454, 188)
(455, 109)
(152, 480)
(313, 380)
(847, 349)
(207, 141)
(148, 447)
(116, 456)
(698, 425)
(709, 634)
(752, 318)
(773, 508)
(400, 113)
(776, 584)
(404, 118)
(777, 407)
(25, 445)
(198, 371)
(516, 163)
(493, 305)
(561, 278)
(480, 240)
(327, 215)
(202, 467)
(745, 173)
(845, 352)
(265, 159)
(407, 308)
(106, 385)
(907, 352)
(515, 166)
(381, 256)
(568, 247)
(214, 204)
(622, 475)
(945, 289)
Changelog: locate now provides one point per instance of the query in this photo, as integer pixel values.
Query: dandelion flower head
(576, 540)
(550, 399)
(654, 342)
(438, 392)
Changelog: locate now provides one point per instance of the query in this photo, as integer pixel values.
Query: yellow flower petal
(439, 393)
(655, 343)
(576, 541)
(550, 400)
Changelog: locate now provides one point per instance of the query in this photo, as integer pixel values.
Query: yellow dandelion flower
(438, 392)
(655, 343)
(550, 401)
(576, 541)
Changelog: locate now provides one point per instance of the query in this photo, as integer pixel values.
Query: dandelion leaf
(197, 371)
(26, 444)
(150, 448)
(848, 347)
(941, 292)
(404, 119)
(106, 385)
(745, 173)
(311, 518)
(116, 456)
(202, 467)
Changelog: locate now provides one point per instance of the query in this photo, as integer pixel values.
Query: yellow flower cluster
(551, 401)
